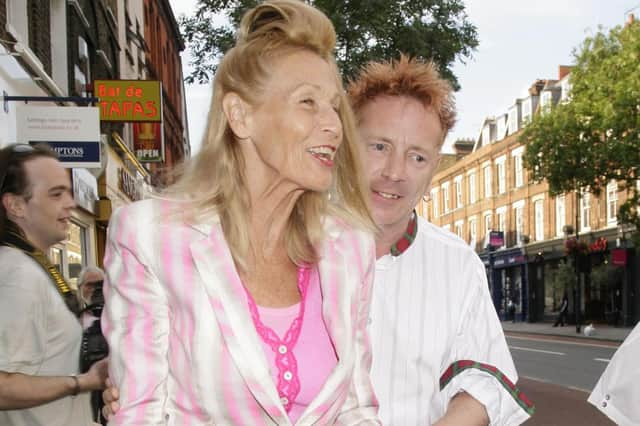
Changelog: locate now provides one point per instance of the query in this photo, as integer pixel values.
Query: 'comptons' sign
(129, 100)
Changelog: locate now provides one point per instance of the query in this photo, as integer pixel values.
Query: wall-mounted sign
(85, 189)
(129, 100)
(496, 239)
(73, 132)
(128, 185)
(148, 142)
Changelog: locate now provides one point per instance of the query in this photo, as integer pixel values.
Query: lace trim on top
(288, 379)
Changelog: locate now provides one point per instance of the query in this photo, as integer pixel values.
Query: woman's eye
(378, 146)
(308, 101)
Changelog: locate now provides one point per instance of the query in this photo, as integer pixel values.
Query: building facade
(56, 49)
(488, 189)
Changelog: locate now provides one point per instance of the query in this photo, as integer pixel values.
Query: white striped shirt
(431, 307)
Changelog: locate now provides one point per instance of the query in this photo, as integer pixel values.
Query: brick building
(488, 189)
(163, 63)
(58, 48)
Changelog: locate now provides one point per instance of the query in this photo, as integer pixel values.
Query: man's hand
(94, 379)
(464, 410)
(110, 398)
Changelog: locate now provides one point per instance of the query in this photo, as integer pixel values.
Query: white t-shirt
(38, 336)
(430, 308)
(617, 393)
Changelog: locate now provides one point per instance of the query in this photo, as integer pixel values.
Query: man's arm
(464, 410)
(19, 391)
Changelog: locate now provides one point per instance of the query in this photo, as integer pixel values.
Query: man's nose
(395, 168)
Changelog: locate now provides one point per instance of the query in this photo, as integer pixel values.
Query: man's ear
(238, 114)
(13, 204)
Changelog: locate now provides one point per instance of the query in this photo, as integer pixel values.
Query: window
(612, 202)
(502, 178)
(458, 225)
(501, 214)
(458, 188)
(526, 110)
(519, 216)
(487, 181)
(472, 188)
(538, 207)
(512, 126)
(487, 224)
(545, 100)
(473, 231)
(585, 211)
(434, 202)
(445, 197)
(518, 171)
(560, 215)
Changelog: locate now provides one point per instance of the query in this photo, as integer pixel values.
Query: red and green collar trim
(459, 366)
(407, 238)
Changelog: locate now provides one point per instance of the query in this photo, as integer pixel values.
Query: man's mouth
(325, 153)
(387, 195)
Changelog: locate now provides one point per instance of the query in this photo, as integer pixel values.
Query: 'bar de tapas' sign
(129, 100)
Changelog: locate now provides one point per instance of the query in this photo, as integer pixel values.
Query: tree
(366, 30)
(594, 137)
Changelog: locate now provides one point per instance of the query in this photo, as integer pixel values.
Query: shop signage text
(129, 100)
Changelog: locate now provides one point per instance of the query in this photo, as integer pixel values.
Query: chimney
(563, 70)
(631, 19)
(463, 147)
(536, 87)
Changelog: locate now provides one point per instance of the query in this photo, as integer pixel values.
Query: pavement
(603, 333)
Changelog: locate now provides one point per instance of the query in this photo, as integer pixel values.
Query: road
(558, 375)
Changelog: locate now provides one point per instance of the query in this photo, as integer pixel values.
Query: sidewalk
(602, 332)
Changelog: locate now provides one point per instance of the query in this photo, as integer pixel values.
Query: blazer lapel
(227, 298)
(337, 303)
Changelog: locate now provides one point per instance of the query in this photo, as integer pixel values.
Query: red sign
(147, 141)
(619, 257)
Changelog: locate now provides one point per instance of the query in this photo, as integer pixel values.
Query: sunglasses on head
(19, 148)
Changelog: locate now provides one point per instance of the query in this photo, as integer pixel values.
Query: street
(557, 375)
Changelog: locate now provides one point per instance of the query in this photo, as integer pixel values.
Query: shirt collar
(407, 238)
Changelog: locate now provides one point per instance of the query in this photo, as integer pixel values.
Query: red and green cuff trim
(407, 238)
(459, 366)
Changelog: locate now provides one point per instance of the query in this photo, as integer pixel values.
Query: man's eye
(419, 158)
(308, 101)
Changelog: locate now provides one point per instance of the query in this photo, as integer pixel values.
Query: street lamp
(568, 230)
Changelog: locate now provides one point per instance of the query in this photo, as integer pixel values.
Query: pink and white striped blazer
(184, 350)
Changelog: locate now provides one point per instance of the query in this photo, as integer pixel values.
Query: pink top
(300, 352)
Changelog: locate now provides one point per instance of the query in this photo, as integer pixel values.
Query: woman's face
(295, 128)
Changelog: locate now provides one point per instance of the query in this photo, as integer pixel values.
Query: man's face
(44, 217)
(89, 285)
(401, 140)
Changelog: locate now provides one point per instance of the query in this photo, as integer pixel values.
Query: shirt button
(284, 400)
(288, 376)
(607, 397)
(604, 404)
(282, 349)
(369, 320)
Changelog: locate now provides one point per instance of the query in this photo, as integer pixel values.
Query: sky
(520, 41)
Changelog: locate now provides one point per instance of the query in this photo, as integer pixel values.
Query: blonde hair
(405, 77)
(214, 180)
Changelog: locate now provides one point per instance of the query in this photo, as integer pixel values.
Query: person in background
(88, 279)
(439, 352)
(564, 309)
(618, 390)
(241, 295)
(40, 335)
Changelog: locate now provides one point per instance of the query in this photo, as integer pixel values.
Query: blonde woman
(241, 297)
